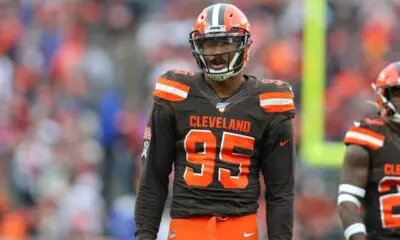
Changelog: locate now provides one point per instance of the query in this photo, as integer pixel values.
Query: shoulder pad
(174, 85)
(275, 85)
(365, 133)
(276, 96)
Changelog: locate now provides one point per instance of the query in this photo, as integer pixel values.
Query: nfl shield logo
(221, 106)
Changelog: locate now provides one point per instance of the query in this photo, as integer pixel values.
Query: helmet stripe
(210, 15)
(221, 15)
(215, 14)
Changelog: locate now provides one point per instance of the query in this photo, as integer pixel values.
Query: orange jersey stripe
(167, 96)
(367, 132)
(171, 90)
(271, 95)
(365, 143)
(364, 137)
(279, 108)
(277, 101)
(172, 83)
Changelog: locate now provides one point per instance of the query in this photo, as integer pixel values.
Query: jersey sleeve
(277, 167)
(173, 86)
(277, 97)
(158, 156)
(366, 134)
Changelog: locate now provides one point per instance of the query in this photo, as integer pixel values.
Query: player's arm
(277, 166)
(354, 176)
(157, 165)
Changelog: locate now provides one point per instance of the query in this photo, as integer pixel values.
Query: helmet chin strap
(220, 77)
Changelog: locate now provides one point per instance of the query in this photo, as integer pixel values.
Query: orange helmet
(388, 78)
(227, 23)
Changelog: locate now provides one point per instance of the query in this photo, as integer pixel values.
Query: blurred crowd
(68, 136)
(76, 79)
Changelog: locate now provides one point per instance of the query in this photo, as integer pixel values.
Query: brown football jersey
(382, 193)
(218, 148)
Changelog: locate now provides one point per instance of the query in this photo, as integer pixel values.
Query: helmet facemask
(389, 102)
(212, 63)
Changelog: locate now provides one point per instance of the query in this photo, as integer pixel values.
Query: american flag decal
(147, 133)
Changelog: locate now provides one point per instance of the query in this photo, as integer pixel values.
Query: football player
(370, 178)
(218, 128)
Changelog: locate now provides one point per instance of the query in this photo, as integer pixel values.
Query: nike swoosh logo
(247, 234)
(283, 143)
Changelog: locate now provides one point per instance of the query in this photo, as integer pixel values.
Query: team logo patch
(221, 106)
